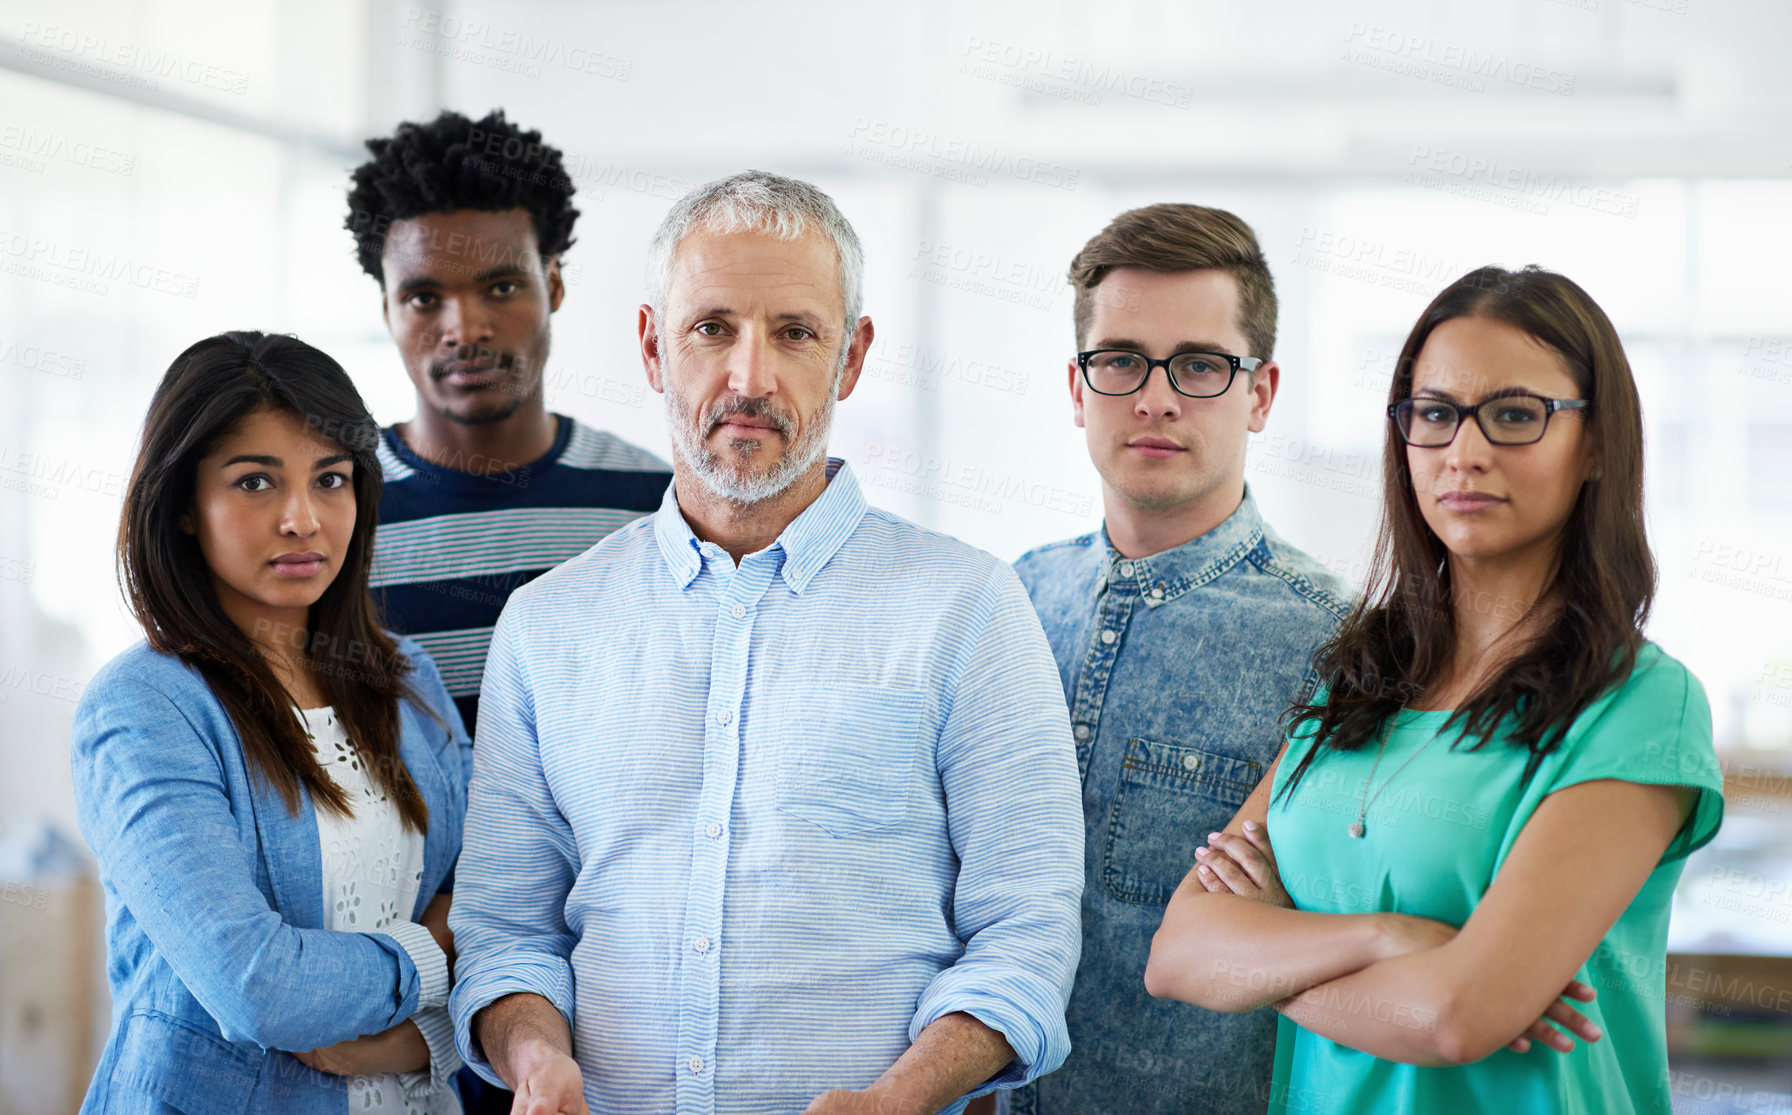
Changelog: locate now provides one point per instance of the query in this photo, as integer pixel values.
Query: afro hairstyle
(455, 163)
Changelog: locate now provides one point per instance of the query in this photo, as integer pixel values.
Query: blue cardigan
(216, 954)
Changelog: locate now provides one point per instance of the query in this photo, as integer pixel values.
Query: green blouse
(1434, 839)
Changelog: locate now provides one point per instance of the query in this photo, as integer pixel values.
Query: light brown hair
(1172, 237)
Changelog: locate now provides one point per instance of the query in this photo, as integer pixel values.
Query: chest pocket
(849, 756)
(1170, 797)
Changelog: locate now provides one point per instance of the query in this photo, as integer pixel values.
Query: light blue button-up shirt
(751, 829)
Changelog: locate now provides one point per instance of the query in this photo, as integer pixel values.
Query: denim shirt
(1176, 668)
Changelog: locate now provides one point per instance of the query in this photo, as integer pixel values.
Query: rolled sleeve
(1008, 767)
(1025, 1009)
(523, 976)
(437, 1027)
(432, 963)
(155, 806)
(517, 863)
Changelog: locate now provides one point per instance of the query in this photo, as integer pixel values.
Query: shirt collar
(1165, 576)
(806, 545)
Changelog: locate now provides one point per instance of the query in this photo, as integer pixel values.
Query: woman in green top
(1479, 819)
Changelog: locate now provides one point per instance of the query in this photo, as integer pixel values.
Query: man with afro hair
(464, 225)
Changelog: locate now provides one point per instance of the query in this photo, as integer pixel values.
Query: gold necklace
(1357, 828)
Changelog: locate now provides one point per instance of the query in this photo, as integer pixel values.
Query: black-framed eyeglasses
(1516, 419)
(1199, 375)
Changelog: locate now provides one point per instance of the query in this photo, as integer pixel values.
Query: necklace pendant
(1356, 829)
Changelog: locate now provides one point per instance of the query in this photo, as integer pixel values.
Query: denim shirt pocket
(1169, 798)
(849, 755)
(190, 1070)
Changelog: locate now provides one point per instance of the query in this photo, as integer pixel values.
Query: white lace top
(372, 867)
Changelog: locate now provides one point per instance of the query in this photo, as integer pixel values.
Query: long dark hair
(208, 391)
(1399, 639)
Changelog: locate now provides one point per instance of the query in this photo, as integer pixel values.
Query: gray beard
(726, 472)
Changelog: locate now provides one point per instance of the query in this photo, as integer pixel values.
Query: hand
(1242, 865)
(435, 919)
(1402, 934)
(550, 1084)
(1564, 1015)
(399, 1049)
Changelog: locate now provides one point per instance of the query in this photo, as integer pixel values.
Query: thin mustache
(503, 361)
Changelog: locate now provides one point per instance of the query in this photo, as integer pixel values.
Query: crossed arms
(1232, 941)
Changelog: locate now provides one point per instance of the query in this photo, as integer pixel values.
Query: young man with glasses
(1182, 630)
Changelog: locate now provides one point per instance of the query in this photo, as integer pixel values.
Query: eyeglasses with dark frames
(1518, 418)
(1198, 375)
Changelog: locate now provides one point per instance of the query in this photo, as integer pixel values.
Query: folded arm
(424, 1041)
(154, 806)
(400, 1049)
(1579, 862)
(1234, 954)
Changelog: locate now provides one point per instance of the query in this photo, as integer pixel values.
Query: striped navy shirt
(752, 828)
(452, 545)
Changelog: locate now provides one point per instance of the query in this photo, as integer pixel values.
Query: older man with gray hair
(775, 804)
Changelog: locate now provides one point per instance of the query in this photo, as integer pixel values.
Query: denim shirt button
(1157, 593)
(1108, 637)
(1126, 569)
(1191, 762)
(1082, 731)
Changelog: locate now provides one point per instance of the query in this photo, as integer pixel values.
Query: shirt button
(1082, 731)
(701, 944)
(724, 715)
(1191, 762)
(1157, 593)
(696, 1064)
(714, 830)
(737, 611)
(1126, 569)
(1108, 637)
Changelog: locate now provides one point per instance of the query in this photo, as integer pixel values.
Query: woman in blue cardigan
(273, 785)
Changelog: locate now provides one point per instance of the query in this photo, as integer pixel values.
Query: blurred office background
(170, 169)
